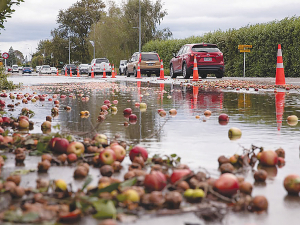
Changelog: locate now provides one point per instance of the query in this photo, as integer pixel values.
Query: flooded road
(260, 114)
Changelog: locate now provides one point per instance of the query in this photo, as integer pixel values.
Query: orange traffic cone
(138, 75)
(78, 75)
(56, 72)
(195, 95)
(139, 83)
(92, 75)
(70, 72)
(279, 104)
(113, 75)
(162, 73)
(195, 70)
(104, 73)
(66, 73)
(280, 78)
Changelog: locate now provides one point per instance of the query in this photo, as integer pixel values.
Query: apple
(227, 184)
(268, 158)
(101, 139)
(56, 102)
(72, 158)
(106, 102)
(162, 113)
(132, 119)
(127, 111)
(131, 195)
(104, 108)
(271, 170)
(173, 112)
(61, 145)
(292, 118)
(155, 181)
(234, 133)
(291, 184)
(137, 104)
(107, 156)
(60, 185)
(143, 105)
(223, 117)
(2, 102)
(178, 174)
(120, 152)
(137, 151)
(75, 147)
(114, 109)
(23, 124)
(46, 125)
(207, 113)
(115, 102)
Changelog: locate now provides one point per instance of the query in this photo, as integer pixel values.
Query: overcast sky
(34, 19)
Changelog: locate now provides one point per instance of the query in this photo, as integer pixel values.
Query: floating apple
(106, 102)
(173, 112)
(132, 119)
(75, 147)
(120, 152)
(234, 133)
(292, 120)
(127, 112)
(138, 151)
(101, 139)
(178, 174)
(107, 156)
(223, 117)
(155, 181)
(104, 108)
(46, 125)
(268, 158)
(291, 184)
(143, 105)
(207, 113)
(115, 102)
(227, 184)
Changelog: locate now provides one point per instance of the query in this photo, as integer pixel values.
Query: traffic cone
(195, 70)
(195, 95)
(139, 84)
(162, 73)
(280, 78)
(113, 75)
(279, 104)
(104, 73)
(56, 72)
(162, 88)
(78, 75)
(92, 75)
(70, 72)
(66, 73)
(138, 75)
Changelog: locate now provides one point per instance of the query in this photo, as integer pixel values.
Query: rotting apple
(268, 158)
(120, 152)
(75, 147)
(155, 181)
(101, 139)
(136, 151)
(227, 184)
(107, 156)
(291, 184)
(179, 174)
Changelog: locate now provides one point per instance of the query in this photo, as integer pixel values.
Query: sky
(33, 20)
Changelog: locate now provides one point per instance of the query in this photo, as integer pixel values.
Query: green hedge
(260, 62)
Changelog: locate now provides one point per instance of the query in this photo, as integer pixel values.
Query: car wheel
(127, 73)
(157, 74)
(219, 75)
(203, 75)
(185, 72)
(172, 74)
(148, 74)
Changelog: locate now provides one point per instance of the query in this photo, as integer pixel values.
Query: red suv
(209, 60)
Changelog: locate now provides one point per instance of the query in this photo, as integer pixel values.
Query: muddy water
(261, 115)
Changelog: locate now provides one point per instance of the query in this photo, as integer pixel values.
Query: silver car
(98, 66)
(45, 69)
(122, 67)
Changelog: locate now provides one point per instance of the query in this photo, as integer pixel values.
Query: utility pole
(140, 27)
(69, 51)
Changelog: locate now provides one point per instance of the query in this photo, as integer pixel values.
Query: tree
(6, 10)
(76, 22)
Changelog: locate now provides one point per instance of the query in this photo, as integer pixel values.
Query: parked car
(209, 61)
(9, 69)
(83, 68)
(98, 66)
(21, 68)
(26, 70)
(67, 68)
(45, 69)
(122, 67)
(37, 69)
(53, 70)
(15, 68)
(149, 64)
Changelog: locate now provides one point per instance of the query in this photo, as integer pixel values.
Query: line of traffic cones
(138, 75)
(280, 78)
(195, 70)
(162, 73)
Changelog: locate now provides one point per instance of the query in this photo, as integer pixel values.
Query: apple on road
(138, 151)
(107, 156)
(101, 138)
(75, 147)
(120, 152)
(60, 145)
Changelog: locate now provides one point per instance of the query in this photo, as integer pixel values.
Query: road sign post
(244, 49)
(5, 56)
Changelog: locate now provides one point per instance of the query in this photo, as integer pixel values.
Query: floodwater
(261, 115)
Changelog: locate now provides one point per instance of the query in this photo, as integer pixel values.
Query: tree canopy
(6, 10)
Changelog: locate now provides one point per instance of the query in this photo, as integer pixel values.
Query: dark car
(209, 61)
(67, 68)
(26, 70)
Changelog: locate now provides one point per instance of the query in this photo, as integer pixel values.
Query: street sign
(244, 46)
(5, 55)
(244, 50)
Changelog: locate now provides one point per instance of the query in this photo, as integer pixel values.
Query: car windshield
(46, 67)
(150, 57)
(202, 48)
(124, 62)
(102, 60)
(26, 68)
(84, 66)
(71, 65)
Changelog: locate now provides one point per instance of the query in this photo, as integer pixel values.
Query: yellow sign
(244, 50)
(244, 46)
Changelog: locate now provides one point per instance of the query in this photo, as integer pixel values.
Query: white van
(15, 68)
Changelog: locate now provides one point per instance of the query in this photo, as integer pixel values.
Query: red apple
(155, 181)
(75, 147)
(227, 184)
(178, 174)
(268, 158)
(132, 118)
(23, 124)
(104, 108)
(223, 117)
(115, 102)
(2, 102)
(127, 112)
(120, 152)
(61, 145)
(137, 151)
(56, 102)
(107, 156)
(106, 102)
(291, 184)
(72, 158)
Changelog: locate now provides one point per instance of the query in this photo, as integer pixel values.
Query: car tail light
(94, 64)
(109, 64)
